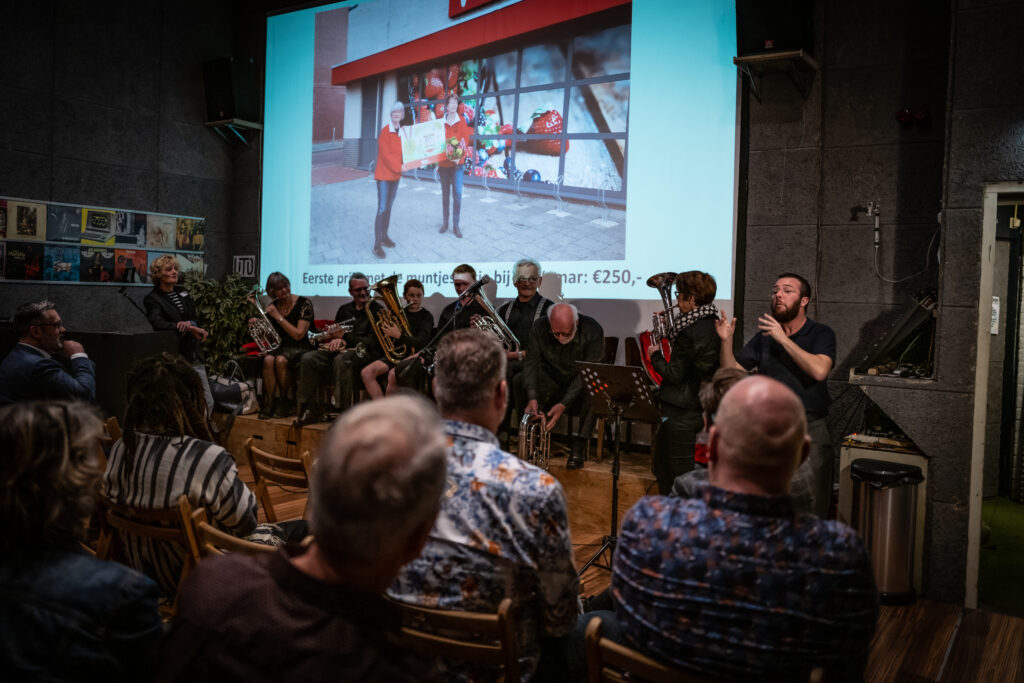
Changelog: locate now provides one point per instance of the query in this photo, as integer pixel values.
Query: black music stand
(616, 391)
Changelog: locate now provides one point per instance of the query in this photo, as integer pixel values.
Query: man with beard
(800, 353)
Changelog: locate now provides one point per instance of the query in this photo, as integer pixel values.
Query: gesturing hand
(725, 327)
(553, 415)
(771, 327)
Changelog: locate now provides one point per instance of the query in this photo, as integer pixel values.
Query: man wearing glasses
(551, 378)
(343, 354)
(32, 371)
(800, 353)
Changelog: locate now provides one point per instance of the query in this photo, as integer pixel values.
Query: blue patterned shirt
(503, 530)
(737, 585)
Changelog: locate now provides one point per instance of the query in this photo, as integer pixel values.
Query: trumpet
(262, 332)
(320, 337)
(534, 445)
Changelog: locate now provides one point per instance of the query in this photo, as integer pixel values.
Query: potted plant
(225, 313)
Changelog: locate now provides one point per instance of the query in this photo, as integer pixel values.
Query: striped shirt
(165, 467)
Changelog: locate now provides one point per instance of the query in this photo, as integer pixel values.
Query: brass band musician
(291, 316)
(421, 324)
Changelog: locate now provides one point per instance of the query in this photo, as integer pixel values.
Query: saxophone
(262, 332)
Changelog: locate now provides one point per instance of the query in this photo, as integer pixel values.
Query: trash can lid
(882, 474)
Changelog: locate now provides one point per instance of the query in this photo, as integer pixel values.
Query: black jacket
(694, 360)
(165, 316)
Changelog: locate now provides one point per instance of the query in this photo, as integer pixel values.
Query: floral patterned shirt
(503, 530)
(737, 585)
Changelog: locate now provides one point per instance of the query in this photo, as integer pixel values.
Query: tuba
(493, 323)
(534, 445)
(263, 333)
(661, 323)
(388, 314)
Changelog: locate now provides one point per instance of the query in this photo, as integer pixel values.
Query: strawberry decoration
(434, 86)
(546, 122)
(506, 129)
(439, 110)
(453, 76)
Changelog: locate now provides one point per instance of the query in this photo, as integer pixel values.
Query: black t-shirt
(362, 330)
(771, 360)
(462, 318)
(302, 310)
(521, 315)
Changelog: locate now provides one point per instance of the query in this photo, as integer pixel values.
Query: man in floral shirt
(503, 529)
(732, 582)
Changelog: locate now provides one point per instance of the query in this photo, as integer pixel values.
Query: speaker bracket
(798, 66)
(234, 131)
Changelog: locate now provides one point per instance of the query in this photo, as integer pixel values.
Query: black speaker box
(774, 26)
(232, 90)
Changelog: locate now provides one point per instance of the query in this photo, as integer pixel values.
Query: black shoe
(575, 460)
(456, 231)
(266, 409)
(378, 252)
(284, 408)
(444, 228)
(307, 417)
(387, 242)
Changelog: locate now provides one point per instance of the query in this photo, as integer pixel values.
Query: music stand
(616, 391)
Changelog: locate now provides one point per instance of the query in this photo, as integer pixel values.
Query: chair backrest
(632, 351)
(275, 470)
(473, 637)
(113, 428)
(209, 540)
(611, 349)
(168, 525)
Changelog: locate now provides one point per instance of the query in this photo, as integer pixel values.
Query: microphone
(475, 287)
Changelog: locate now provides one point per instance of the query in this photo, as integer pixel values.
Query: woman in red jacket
(450, 168)
(387, 175)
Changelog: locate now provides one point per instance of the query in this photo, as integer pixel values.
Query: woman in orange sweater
(387, 175)
(450, 168)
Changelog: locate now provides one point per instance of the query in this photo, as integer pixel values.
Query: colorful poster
(190, 234)
(160, 231)
(97, 226)
(63, 223)
(130, 265)
(96, 264)
(29, 221)
(130, 229)
(191, 263)
(422, 144)
(24, 261)
(61, 263)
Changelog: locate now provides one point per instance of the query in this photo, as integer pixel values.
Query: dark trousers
(821, 462)
(674, 446)
(386, 192)
(344, 366)
(551, 393)
(449, 177)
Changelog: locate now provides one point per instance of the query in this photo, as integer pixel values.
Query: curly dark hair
(49, 474)
(165, 398)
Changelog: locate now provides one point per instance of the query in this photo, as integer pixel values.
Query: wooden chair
(474, 637)
(113, 429)
(274, 470)
(168, 525)
(211, 541)
(611, 661)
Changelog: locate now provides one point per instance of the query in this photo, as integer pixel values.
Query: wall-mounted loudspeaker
(774, 26)
(232, 89)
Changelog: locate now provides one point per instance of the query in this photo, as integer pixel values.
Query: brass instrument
(662, 323)
(534, 444)
(263, 333)
(390, 313)
(321, 337)
(493, 323)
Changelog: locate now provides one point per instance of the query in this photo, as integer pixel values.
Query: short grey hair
(524, 262)
(397, 106)
(575, 311)
(378, 478)
(468, 365)
(30, 314)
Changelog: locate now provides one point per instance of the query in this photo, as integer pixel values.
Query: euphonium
(534, 440)
(389, 314)
(263, 333)
(661, 324)
(493, 323)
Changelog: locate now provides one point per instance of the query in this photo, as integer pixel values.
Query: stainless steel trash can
(884, 514)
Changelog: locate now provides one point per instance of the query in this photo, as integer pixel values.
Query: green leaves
(225, 314)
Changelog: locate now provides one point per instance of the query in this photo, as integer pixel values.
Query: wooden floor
(927, 641)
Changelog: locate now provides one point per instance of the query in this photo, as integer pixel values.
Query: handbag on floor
(232, 393)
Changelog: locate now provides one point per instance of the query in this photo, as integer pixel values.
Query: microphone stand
(123, 291)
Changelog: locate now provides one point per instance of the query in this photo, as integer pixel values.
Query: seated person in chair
(503, 530)
(316, 613)
(167, 451)
(421, 325)
(733, 582)
(551, 379)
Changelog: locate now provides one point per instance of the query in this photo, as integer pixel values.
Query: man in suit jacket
(31, 370)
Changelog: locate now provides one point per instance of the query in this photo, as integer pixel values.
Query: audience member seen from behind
(167, 451)
(503, 530)
(733, 582)
(317, 613)
(65, 615)
(35, 368)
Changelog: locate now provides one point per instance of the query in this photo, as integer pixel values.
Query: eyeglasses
(785, 290)
(533, 279)
(59, 323)
(565, 335)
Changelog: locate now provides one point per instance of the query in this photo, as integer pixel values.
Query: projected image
(483, 156)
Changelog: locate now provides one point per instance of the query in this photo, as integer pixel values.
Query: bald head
(562, 318)
(759, 435)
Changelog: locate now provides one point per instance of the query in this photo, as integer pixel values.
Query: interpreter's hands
(71, 347)
(393, 331)
(771, 327)
(199, 333)
(532, 407)
(725, 327)
(555, 413)
(334, 345)
(183, 326)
